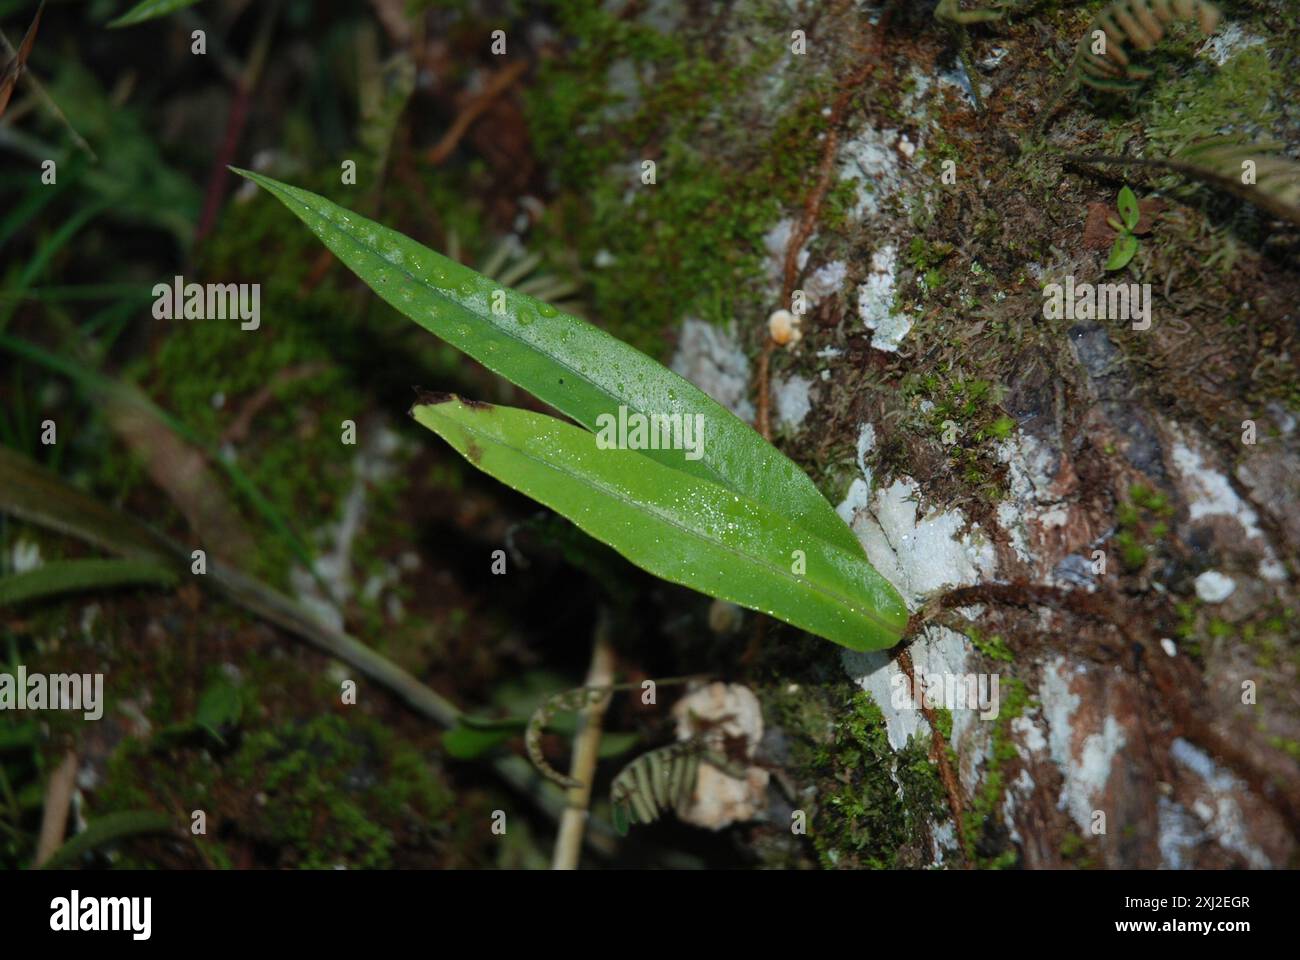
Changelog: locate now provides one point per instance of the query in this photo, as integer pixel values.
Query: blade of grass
(14, 68)
(66, 231)
(149, 10)
(105, 387)
(73, 576)
(33, 494)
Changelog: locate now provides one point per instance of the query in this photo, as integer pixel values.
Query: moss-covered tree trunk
(1119, 488)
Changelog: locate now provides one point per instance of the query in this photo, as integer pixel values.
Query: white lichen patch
(825, 281)
(374, 463)
(1030, 467)
(1214, 587)
(712, 359)
(1209, 494)
(866, 443)
(919, 552)
(872, 159)
(1027, 736)
(1219, 813)
(957, 79)
(1085, 769)
(1036, 514)
(775, 242)
(24, 555)
(792, 401)
(1178, 834)
(1019, 790)
(1230, 40)
(876, 302)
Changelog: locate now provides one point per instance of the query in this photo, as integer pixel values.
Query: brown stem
(939, 749)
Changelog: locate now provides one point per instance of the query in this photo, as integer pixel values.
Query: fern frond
(656, 781)
(1137, 23)
(664, 779)
(1224, 162)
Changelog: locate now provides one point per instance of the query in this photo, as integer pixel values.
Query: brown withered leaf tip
(428, 398)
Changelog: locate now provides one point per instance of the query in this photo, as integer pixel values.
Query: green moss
(943, 720)
(336, 790)
(877, 804)
(1152, 501)
(1288, 746)
(993, 647)
(313, 794)
(1141, 525)
(967, 417)
(1200, 101)
(694, 237)
(1077, 852)
(984, 847)
(1132, 554)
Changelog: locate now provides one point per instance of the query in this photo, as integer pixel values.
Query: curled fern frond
(566, 702)
(1141, 24)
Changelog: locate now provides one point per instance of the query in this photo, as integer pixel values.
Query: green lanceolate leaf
(676, 526)
(1128, 207)
(149, 9)
(565, 362)
(1126, 245)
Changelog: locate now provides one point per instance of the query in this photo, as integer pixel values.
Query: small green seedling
(1126, 243)
(218, 713)
(712, 505)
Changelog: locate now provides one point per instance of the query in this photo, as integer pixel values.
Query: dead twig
(58, 798)
(235, 122)
(586, 748)
(501, 81)
(237, 432)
